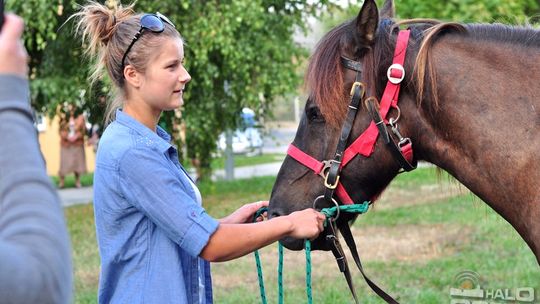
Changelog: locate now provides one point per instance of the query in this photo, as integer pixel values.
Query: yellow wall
(49, 141)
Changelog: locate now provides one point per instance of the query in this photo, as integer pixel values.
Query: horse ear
(388, 10)
(367, 21)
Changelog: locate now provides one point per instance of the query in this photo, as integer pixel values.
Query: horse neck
(485, 130)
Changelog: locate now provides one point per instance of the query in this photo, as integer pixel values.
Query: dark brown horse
(469, 102)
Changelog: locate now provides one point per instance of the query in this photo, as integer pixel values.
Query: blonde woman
(155, 238)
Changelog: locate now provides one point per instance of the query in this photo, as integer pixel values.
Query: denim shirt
(150, 228)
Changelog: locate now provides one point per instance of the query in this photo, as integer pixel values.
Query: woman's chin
(173, 105)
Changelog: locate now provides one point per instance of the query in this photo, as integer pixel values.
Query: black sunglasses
(149, 22)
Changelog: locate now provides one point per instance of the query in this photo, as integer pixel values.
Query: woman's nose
(184, 76)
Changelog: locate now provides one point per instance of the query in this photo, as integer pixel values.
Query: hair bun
(105, 25)
(97, 23)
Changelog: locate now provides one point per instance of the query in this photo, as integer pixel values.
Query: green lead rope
(329, 213)
(258, 260)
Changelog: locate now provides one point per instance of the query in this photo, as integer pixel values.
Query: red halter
(365, 143)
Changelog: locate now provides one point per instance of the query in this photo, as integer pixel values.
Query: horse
(468, 101)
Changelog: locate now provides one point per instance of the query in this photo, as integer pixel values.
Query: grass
(482, 242)
(243, 160)
(87, 180)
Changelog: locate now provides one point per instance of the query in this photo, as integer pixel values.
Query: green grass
(484, 243)
(87, 180)
(243, 160)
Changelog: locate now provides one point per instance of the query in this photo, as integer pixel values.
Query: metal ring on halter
(333, 201)
(395, 120)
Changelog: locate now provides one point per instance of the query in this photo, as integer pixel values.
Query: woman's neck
(142, 113)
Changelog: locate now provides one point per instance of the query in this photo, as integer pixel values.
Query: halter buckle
(325, 172)
(358, 84)
(333, 186)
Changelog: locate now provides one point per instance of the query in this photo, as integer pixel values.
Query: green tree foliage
(488, 11)
(239, 53)
(504, 11)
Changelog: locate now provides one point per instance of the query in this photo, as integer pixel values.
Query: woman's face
(165, 77)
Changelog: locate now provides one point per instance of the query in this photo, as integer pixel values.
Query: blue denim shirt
(150, 228)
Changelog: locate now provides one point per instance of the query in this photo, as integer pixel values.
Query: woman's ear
(132, 76)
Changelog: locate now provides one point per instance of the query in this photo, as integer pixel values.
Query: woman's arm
(231, 241)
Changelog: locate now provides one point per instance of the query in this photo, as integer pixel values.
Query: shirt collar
(161, 138)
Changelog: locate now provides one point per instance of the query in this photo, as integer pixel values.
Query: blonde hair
(106, 34)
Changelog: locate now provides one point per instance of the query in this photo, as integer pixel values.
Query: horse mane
(325, 74)
(424, 80)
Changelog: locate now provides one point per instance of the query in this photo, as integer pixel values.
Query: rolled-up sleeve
(150, 183)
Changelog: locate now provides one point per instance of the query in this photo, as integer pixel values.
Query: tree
(239, 53)
(510, 12)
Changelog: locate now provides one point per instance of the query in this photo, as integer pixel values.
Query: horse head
(353, 52)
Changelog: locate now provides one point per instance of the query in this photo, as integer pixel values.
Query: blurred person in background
(72, 155)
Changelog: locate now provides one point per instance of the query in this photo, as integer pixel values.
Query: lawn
(423, 233)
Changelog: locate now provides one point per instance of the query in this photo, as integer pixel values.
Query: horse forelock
(324, 76)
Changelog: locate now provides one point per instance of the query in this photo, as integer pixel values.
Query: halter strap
(365, 144)
(318, 168)
(351, 64)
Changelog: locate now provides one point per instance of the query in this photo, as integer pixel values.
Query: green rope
(281, 296)
(329, 213)
(308, 271)
(261, 279)
(258, 260)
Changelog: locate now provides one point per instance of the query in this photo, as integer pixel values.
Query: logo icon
(467, 280)
(469, 289)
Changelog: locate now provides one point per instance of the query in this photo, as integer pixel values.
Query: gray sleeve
(35, 259)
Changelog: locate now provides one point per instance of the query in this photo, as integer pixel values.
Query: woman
(72, 157)
(154, 237)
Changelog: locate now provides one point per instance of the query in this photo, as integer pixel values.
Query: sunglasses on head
(149, 22)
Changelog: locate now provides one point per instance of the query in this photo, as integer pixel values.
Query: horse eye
(314, 114)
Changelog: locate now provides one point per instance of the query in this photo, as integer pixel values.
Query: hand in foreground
(244, 214)
(13, 56)
(307, 224)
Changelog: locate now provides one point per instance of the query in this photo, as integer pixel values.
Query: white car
(248, 141)
(245, 140)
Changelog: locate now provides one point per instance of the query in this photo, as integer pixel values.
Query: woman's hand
(234, 239)
(306, 224)
(244, 214)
